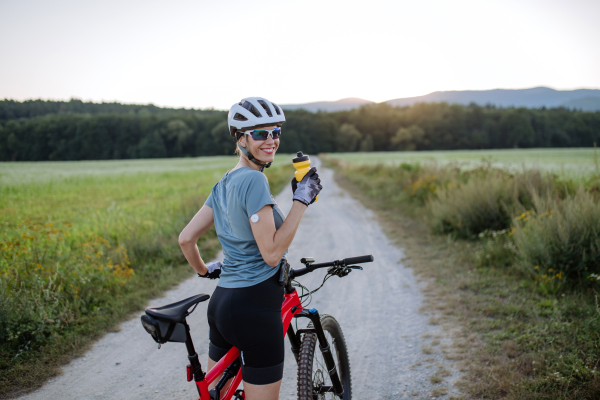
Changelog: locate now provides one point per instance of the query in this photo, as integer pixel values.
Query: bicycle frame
(291, 307)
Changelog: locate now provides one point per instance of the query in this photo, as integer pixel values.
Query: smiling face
(263, 150)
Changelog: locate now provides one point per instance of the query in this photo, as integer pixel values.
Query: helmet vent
(248, 106)
(266, 107)
(276, 107)
(239, 117)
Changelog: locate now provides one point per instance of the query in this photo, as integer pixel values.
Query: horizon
(292, 103)
(189, 54)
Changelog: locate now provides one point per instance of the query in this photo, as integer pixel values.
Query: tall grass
(558, 243)
(486, 201)
(50, 278)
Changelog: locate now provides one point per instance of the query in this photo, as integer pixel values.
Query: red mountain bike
(321, 374)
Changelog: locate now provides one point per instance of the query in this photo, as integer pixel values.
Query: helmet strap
(247, 153)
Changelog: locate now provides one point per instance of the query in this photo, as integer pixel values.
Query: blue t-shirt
(234, 199)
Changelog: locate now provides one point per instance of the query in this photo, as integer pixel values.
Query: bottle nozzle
(300, 157)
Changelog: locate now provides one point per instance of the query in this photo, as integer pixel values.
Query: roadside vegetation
(85, 244)
(513, 257)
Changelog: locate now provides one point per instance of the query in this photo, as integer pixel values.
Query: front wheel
(314, 382)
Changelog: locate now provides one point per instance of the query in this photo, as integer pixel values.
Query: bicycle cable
(310, 292)
(302, 295)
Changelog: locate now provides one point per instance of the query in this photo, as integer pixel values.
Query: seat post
(192, 355)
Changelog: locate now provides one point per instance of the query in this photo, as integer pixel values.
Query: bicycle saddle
(176, 312)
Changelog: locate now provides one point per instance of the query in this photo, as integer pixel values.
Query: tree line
(39, 130)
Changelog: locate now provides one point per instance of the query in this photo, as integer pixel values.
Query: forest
(38, 130)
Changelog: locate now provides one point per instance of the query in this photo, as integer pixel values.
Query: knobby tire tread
(307, 351)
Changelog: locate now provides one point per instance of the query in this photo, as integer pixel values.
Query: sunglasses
(263, 134)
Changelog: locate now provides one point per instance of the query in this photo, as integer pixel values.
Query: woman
(245, 308)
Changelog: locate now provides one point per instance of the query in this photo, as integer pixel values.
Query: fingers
(310, 173)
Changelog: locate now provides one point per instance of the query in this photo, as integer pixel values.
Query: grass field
(566, 161)
(84, 244)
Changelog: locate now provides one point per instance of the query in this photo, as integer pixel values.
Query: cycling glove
(308, 188)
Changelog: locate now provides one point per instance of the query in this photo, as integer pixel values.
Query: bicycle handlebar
(358, 260)
(294, 273)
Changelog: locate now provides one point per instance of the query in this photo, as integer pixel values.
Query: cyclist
(245, 308)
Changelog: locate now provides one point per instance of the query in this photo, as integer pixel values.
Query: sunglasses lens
(263, 134)
(260, 134)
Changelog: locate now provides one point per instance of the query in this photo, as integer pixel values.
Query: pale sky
(212, 53)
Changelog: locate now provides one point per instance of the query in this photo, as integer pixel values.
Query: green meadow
(575, 162)
(85, 243)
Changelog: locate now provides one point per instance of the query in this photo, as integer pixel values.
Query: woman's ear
(242, 141)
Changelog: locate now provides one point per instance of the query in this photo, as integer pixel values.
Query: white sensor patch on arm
(254, 218)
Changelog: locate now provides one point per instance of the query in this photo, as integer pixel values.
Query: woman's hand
(308, 188)
(213, 270)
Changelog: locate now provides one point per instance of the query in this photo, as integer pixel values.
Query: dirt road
(377, 309)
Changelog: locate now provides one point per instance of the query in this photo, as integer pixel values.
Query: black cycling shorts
(249, 318)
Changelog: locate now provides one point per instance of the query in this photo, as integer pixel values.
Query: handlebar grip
(358, 260)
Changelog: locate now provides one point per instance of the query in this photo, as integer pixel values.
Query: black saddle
(176, 312)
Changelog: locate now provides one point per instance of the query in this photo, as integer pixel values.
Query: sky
(210, 54)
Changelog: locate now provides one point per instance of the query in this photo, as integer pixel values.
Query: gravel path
(377, 309)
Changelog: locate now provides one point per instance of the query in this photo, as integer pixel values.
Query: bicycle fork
(324, 346)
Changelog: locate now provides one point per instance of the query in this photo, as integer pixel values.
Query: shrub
(475, 207)
(486, 202)
(559, 242)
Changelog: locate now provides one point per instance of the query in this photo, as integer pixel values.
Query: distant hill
(329, 106)
(581, 99)
(587, 99)
(584, 104)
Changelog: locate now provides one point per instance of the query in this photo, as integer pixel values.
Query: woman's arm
(272, 242)
(188, 238)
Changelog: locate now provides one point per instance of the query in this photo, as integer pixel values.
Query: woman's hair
(237, 151)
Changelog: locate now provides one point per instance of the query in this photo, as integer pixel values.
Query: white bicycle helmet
(250, 113)
(254, 112)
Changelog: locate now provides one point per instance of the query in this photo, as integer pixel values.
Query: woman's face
(263, 150)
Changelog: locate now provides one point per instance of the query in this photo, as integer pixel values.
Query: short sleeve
(258, 193)
(209, 201)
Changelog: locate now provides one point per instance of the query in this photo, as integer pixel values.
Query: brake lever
(336, 270)
(342, 271)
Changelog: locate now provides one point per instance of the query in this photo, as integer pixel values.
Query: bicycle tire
(312, 371)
